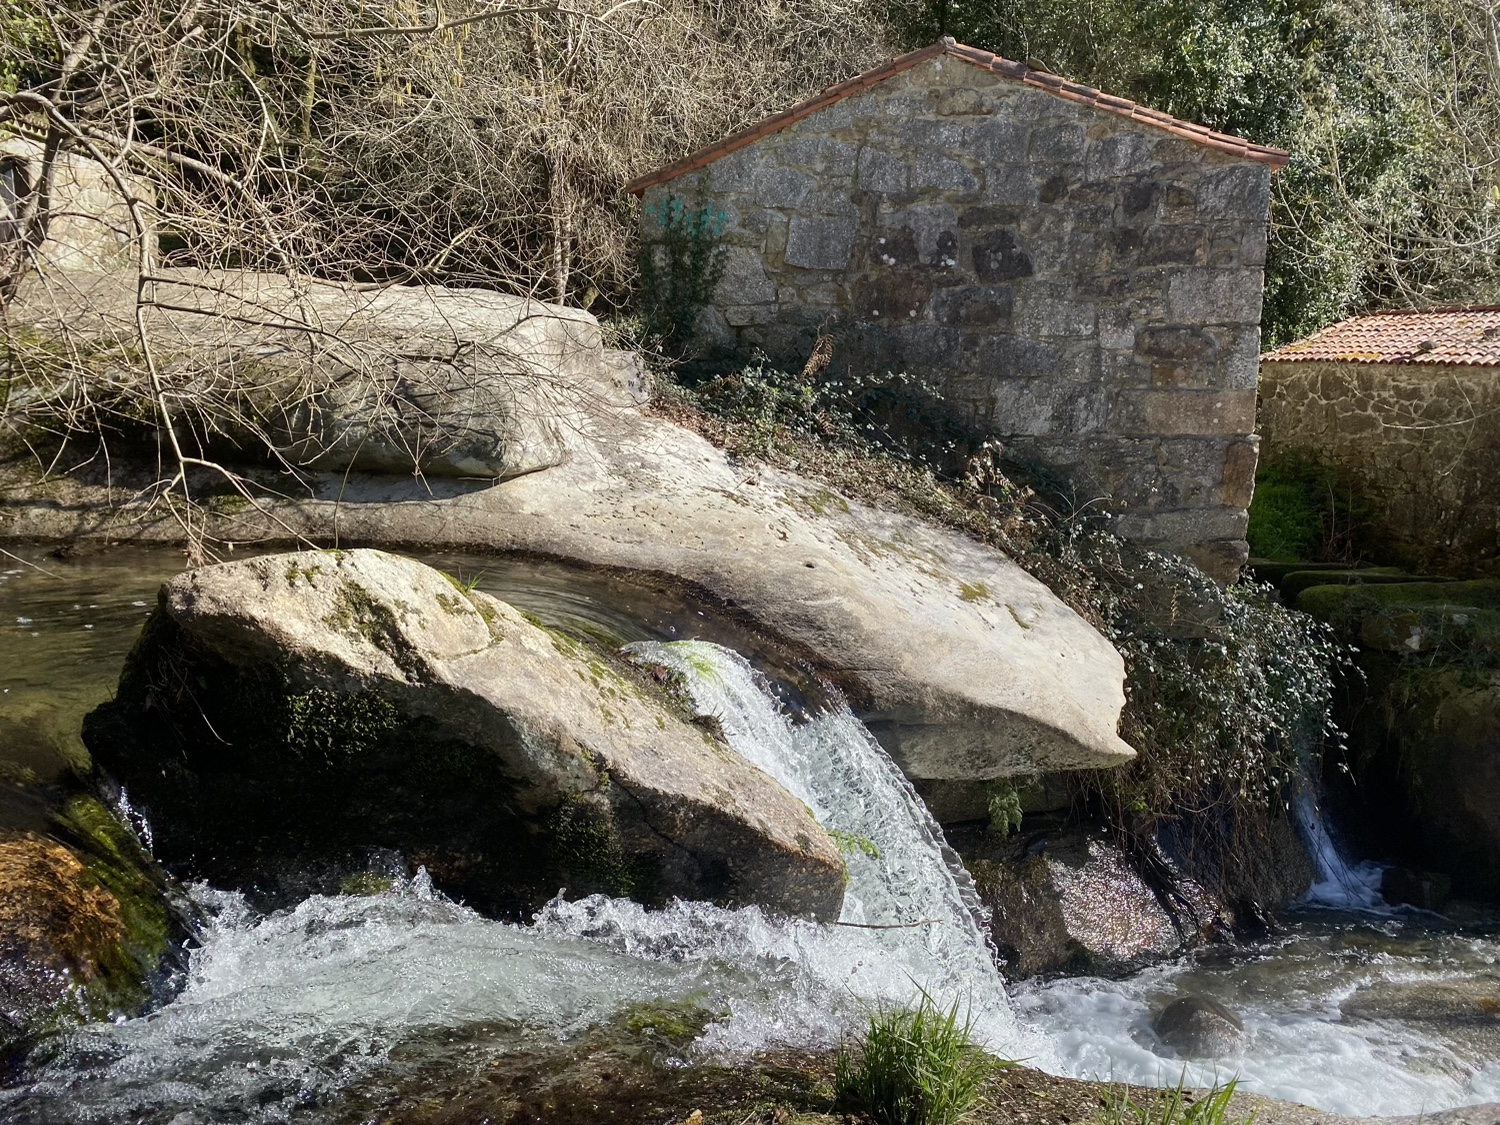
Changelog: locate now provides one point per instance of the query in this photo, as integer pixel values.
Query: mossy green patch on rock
(327, 727)
(85, 925)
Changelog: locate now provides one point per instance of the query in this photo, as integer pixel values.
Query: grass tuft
(1172, 1107)
(914, 1066)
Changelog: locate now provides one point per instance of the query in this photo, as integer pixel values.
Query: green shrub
(680, 264)
(914, 1066)
(1305, 511)
(1003, 802)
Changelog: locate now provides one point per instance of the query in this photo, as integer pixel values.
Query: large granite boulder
(964, 665)
(293, 722)
(397, 379)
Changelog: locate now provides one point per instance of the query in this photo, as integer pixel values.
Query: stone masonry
(1420, 443)
(1081, 276)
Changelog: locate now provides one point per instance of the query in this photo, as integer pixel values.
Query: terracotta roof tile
(1459, 336)
(1040, 79)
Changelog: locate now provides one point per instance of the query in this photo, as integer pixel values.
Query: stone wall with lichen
(1420, 442)
(1085, 287)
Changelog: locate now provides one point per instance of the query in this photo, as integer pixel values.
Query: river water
(1353, 1011)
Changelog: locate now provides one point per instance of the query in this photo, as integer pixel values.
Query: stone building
(1080, 274)
(1408, 405)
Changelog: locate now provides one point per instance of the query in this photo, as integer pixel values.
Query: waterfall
(904, 882)
(1339, 884)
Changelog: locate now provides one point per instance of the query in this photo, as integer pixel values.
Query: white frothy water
(279, 1013)
(1322, 1016)
(901, 874)
(1327, 1014)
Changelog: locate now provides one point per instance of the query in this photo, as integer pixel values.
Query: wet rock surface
(1065, 899)
(1199, 1027)
(86, 930)
(293, 722)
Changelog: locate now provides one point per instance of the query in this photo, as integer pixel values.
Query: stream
(1356, 1009)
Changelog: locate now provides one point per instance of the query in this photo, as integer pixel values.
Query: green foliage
(1226, 689)
(1305, 511)
(680, 264)
(914, 1066)
(24, 39)
(1172, 1107)
(1003, 800)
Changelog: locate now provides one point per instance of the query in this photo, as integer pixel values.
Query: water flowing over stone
(1340, 884)
(286, 1010)
(285, 720)
(902, 873)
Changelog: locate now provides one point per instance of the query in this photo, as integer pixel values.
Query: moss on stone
(357, 613)
(332, 728)
(115, 861)
(587, 842)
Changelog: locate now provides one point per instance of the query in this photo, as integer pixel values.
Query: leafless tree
(367, 145)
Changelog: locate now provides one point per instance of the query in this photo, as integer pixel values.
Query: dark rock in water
(85, 928)
(1196, 1027)
(285, 720)
(1428, 890)
(1068, 901)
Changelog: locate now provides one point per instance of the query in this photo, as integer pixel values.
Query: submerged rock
(85, 928)
(1198, 1027)
(286, 722)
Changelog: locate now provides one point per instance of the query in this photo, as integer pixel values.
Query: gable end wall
(1087, 288)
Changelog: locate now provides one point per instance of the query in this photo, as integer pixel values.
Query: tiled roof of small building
(1466, 336)
(1021, 72)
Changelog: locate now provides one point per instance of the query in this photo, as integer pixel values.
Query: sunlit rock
(1199, 1027)
(290, 722)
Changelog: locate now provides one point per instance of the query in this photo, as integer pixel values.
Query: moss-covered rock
(294, 722)
(86, 931)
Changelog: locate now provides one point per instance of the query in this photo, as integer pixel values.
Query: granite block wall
(1421, 443)
(1083, 286)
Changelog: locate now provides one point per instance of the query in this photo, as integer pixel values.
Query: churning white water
(280, 1012)
(1328, 1016)
(1355, 1013)
(902, 877)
